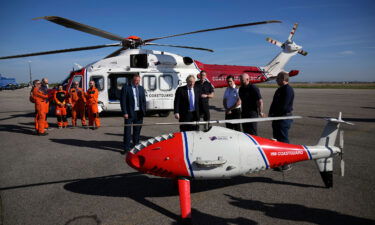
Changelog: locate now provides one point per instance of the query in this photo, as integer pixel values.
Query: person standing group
(61, 99)
(77, 101)
(232, 104)
(251, 103)
(92, 96)
(133, 107)
(40, 97)
(76, 98)
(186, 103)
(207, 92)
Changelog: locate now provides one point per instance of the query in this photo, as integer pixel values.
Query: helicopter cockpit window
(166, 82)
(149, 82)
(138, 61)
(99, 82)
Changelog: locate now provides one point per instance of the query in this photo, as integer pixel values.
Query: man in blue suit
(133, 107)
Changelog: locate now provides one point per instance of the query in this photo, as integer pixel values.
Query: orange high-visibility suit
(60, 98)
(45, 104)
(32, 100)
(41, 99)
(77, 100)
(92, 95)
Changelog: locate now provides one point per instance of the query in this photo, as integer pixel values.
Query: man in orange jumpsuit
(77, 100)
(40, 97)
(45, 104)
(60, 97)
(92, 95)
(32, 100)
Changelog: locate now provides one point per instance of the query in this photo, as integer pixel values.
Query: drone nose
(135, 161)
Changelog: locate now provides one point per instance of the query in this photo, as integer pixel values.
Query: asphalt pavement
(78, 176)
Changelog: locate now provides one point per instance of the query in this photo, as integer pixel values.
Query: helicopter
(220, 153)
(161, 72)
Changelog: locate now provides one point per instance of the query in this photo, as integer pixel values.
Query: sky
(338, 34)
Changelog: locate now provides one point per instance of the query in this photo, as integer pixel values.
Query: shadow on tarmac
(17, 129)
(139, 187)
(204, 219)
(29, 114)
(298, 213)
(114, 146)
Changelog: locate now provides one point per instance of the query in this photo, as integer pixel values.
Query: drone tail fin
(327, 141)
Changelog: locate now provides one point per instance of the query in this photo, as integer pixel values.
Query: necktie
(137, 93)
(191, 101)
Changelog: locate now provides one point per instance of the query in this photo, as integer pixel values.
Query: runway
(78, 176)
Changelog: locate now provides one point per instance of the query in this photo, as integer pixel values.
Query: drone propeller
(234, 121)
(341, 145)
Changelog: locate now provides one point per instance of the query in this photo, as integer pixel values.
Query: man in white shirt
(232, 104)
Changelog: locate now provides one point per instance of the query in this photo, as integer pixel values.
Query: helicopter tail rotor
(289, 46)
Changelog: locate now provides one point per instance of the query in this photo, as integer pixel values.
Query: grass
(325, 85)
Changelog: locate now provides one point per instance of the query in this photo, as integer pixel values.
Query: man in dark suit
(186, 104)
(133, 107)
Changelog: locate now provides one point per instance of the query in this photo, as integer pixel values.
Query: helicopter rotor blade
(81, 27)
(179, 46)
(62, 51)
(275, 42)
(302, 52)
(213, 29)
(292, 32)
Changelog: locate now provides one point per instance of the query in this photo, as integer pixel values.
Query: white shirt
(136, 106)
(231, 96)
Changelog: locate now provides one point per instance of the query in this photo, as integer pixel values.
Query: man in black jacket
(186, 104)
(282, 105)
(252, 103)
(133, 107)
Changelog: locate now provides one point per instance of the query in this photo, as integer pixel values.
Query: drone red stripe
(279, 153)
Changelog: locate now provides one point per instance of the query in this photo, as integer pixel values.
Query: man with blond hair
(186, 103)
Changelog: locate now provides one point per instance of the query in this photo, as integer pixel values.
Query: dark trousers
(188, 117)
(235, 114)
(137, 119)
(204, 111)
(250, 128)
(280, 130)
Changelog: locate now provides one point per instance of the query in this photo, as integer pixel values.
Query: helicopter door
(115, 83)
(100, 85)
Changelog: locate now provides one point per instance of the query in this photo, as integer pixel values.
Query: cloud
(347, 52)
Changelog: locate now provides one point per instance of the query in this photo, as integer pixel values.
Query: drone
(218, 153)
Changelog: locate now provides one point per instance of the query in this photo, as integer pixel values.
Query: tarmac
(78, 176)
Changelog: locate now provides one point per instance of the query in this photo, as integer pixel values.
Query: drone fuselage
(217, 153)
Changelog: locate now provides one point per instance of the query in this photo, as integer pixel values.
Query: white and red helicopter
(223, 153)
(161, 72)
